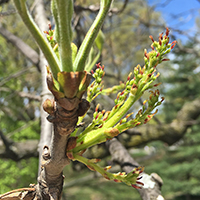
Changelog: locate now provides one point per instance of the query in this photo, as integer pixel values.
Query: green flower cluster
(106, 125)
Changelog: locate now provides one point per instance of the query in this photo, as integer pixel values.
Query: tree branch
(31, 54)
(17, 150)
(152, 183)
(22, 94)
(46, 126)
(169, 133)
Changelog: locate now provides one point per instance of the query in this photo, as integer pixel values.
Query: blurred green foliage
(126, 37)
(17, 174)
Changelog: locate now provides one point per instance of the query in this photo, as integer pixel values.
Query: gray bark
(152, 183)
(46, 126)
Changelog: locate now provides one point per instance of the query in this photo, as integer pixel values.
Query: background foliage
(126, 36)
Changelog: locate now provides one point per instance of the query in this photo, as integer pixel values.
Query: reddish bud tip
(155, 85)
(160, 42)
(161, 36)
(129, 77)
(46, 32)
(107, 168)
(97, 116)
(92, 71)
(167, 31)
(165, 59)
(173, 44)
(97, 107)
(98, 65)
(152, 47)
(136, 187)
(138, 123)
(157, 54)
(146, 54)
(101, 126)
(151, 37)
(50, 27)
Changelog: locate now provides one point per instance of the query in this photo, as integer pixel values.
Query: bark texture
(152, 183)
(169, 133)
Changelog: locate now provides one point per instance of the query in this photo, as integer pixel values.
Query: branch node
(46, 153)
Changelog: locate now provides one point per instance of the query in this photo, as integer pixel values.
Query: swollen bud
(112, 132)
(48, 106)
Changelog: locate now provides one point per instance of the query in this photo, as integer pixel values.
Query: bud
(48, 106)
(173, 44)
(167, 31)
(71, 143)
(107, 168)
(151, 37)
(111, 132)
(91, 168)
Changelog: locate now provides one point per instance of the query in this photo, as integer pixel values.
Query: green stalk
(129, 179)
(64, 30)
(90, 139)
(96, 167)
(87, 162)
(98, 136)
(123, 110)
(38, 36)
(79, 63)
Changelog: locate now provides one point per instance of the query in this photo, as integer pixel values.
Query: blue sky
(179, 14)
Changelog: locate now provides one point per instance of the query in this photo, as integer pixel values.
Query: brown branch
(31, 54)
(95, 9)
(3, 1)
(17, 150)
(17, 194)
(15, 75)
(9, 12)
(169, 133)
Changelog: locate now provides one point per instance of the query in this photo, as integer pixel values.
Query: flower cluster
(50, 36)
(96, 87)
(108, 124)
(130, 179)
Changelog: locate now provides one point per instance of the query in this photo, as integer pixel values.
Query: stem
(63, 26)
(88, 163)
(94, 166)
(94, 137)
(129, 179)
(123, 110)
(79, 63)
(38, 36)
(91, 138)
